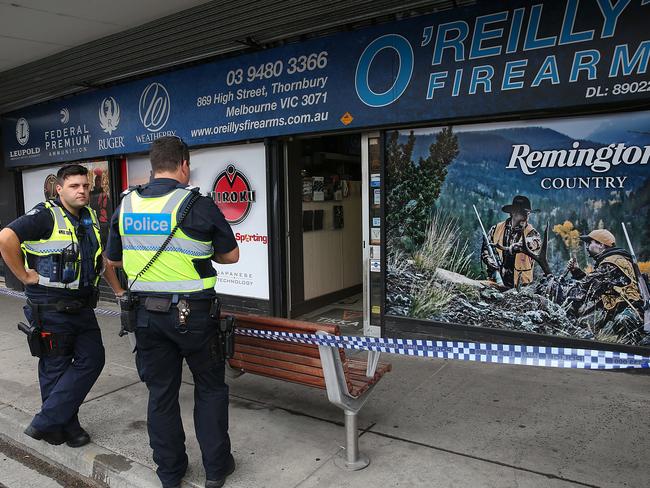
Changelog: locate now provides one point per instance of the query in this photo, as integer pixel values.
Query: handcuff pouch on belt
(225, 330)
(43, 343)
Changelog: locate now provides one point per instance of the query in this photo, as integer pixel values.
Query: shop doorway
(325, 230)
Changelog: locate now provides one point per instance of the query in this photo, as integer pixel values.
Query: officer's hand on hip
(31, 277)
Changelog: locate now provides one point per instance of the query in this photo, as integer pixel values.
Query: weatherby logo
(154, 107)
(233, 195)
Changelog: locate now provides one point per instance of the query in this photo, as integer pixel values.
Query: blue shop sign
(500, 58)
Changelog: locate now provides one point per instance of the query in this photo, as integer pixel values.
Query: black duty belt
(63, 305)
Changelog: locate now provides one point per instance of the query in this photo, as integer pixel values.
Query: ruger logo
(233, 195)
(109, 115)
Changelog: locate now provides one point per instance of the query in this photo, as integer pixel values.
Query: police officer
(174, 294)
(55, 250)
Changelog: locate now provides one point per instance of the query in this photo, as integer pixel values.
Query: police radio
(69, 263)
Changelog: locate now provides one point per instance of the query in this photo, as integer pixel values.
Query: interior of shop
(325, 238)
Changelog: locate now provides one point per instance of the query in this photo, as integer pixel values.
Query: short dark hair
(70, 170)
(167, 153)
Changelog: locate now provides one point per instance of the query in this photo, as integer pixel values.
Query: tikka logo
(109, 115)
(22, 131)
(233, 195)
(49, 187)
(154, 107)
(146, 223)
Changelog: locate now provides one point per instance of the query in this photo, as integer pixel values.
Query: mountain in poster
(479, 175)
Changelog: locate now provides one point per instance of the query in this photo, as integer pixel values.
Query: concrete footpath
(430, 423)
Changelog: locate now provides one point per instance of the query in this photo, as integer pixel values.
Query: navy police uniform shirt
(38, 224)
(204, 222)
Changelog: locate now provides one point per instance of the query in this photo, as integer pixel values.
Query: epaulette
(37, 208)
(130, 189)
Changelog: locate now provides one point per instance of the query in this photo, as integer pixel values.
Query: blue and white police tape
(555, 357)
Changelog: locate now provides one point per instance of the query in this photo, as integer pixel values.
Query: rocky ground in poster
(570, 186)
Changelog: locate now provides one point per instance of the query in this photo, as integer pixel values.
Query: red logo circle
(233, 195)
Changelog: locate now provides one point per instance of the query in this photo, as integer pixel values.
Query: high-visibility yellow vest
(63, 236)
(145, 224)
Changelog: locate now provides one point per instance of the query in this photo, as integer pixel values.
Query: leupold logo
(109, 115)
(22, 131)
(154, 107)
(233, 195)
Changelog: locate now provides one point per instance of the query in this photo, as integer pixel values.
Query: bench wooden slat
(281, 365)
(356, 377)
(278, 355)
(294, 377)
(362, 378)
(357, 365)
(302, 349)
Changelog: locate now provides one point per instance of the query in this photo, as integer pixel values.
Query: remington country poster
(537, 226)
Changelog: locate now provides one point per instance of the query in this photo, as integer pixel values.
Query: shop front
(350, 167)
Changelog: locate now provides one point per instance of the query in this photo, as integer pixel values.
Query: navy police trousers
(161, 347)
(65, 380)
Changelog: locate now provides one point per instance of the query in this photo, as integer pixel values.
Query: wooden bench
(348, 381)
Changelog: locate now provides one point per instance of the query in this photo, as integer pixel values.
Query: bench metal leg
(338, 394)
(373, 361)
(353, 460)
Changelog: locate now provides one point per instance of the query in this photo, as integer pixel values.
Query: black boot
(55, 437)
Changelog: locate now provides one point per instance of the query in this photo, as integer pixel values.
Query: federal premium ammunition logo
(65, 115)
(71, 139)
(233, 195)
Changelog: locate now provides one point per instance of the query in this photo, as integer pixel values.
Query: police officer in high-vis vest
(165, 236)
(55, 250)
